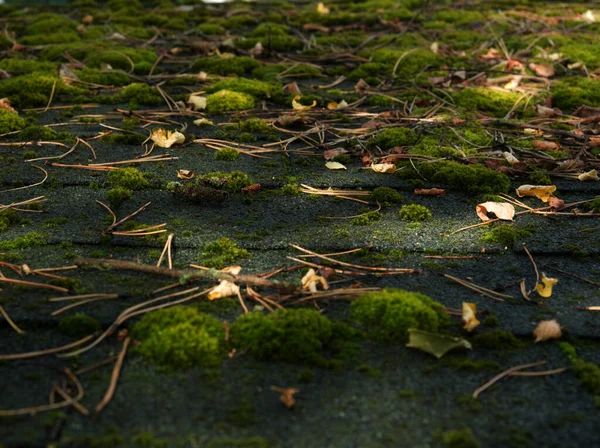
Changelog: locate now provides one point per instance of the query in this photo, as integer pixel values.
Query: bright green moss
(222, 253)
(227, 100)
(494, 102)
(290, 190)
(258, 89)
(18, 67)
(474, 179)
(32, 239)
(367, 218)
(277, 43)
(459, 438)
(137, 94)
(414, 213)
(588, 373)
(210, 29)
(593, 205)
(227, 154)
(578, 48)
(116, 196)
(60, 37)
(10, 121)
(391, 312)
(496, 340)
(48, 23)
(33, 90)
(506, 235)
(392, 137)
(232, 182)
(129, 178)
(180, 337)
(9, 217)
(255, 126)
(571, 92)
(243, 442)
(105, 78)
(304, 69)
(78, 325)
(293, 335)
(226, 66)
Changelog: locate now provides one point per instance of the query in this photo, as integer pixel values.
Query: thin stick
(10, 321)
(480, 289)
(505, 373)
(33, 284)
(32, 185)
(583, 279)
(49, 351)
(114, 377)
(84, 296)
(166, 249)
(82, 409)
(543, 373)
(80, 303)
(137, 212)
(51, 96)
(537, 274)
(97, 365)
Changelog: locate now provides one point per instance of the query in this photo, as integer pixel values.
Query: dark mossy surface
(451, 89)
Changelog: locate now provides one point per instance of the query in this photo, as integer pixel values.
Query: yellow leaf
(322, 9)
(203, 122)
(297, 106)
(530, 131)
(542, 192)
(547, 329)
(510, 158)
(544, 289)
(223, 289)
(590, 175)
(383, 167)
(166, 139)
(185, 174)
(335, 166)
(311, 279)
(469, 318)
(502, 210)
(197, 102)
(341, 105)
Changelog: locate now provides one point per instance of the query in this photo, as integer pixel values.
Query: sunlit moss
(222, 253)
(228, 100)
(10, 121)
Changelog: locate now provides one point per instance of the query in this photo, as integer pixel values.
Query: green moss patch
(227, 101)
(222, 253)
(128, 178)
(78, 325)
(570, 93)
(10, 121)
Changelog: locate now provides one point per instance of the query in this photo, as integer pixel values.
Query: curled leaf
(223, 289)
(298, 106)
(292, 88)
(590, 175)
(166, 139)
(555, 203)
(435, 344)
(341, 105)
(185, 174)
(384, 168)
(197, 102)
(287, 395)
(531, 131)
(5, 104)
(547, 329)
(502, 210)
(311, 279)
(543, 70)
(510, 158)
(469, 311)
(544, 289)
(203, 122)
(335, 166)
(542, 192)
(332, 153)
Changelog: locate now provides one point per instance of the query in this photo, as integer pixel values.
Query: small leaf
(166, 139)
(185, 174)
(197, 102)
(311, 279)
(544, 145)
(544, 289)
(203, 122)
(341, 105)
(292, 88)
(590, 175)
(287, 395)
(542, 192)
(547, 329)
(335, 166)
(297, 106)
(502, 210)
(384, 168)
(223, 289)
(469, 311)
(435, 344)
(543, 70)
(322, 9)
(510, 158)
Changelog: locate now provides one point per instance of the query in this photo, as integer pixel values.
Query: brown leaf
(469, 311)
(542, 192)
(543, 145)
(586, 112)
(88, 19)
(361, 86)
(292, 88)
(332, 153)
(569, 165)
(5, 104)
(291, 120)
(314, 27)
(429, 191)
(365, 158)
(594, 142)
(287, 395)
(547, 329)
(543, 70)
(502, 210)
(555, 203)
(545, 112)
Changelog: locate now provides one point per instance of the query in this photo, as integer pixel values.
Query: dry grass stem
(10, 321)
(114, 377)
(505, 373)
(33, 284)
(480, 289)
(167, 250)
(32, 185)
(49, 351)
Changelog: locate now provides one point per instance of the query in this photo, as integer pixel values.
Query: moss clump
(103, 77)
(506, 235)
(572, 92)
(226, 66)
(386, 196)
(391, 312)
(258, 89)
(123, 139)
(32, 239)
(138, 94)
(8, 217)
(474, 179)
(221, 253)
(459, 438)
(228, 154)
(10, 121)
(367, 218)
(33, 89)
(289, 190)
(78, 325)
(18, 67)
(232, 182)
(228, 100)
(497, 340)
(293, 336)
(593, 205)
(116, 196)
(180, 337)
(493, 102)
(588, 373)
(128, 178)
(415, 213)
(244, 442)
(210, 29)
(255, 126)
(392, 137)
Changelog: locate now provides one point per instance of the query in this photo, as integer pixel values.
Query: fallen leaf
(502, 210)
(576, 65)
(469, 311)
(297, 106)
(332, 153)
(197, 102)
(555, 203)
(203, 122)
(311, 279)
(322, 9)
(513, 83)
(287, 395)
(361, 86)
(435, 344)
(257, 50)
(185, 174)
(543, 70)
(335, 166)
(384, 168)
(590, 175)
(429, 191)
(543, 145)
(291, 120)
(510, 158)
(542, 192)
(530, 131)
(547, 329)
(545, 112)
(223, 289)
(66, 74)
(434, 47)
(88, 19)
(341, 105)
(233, 270)
(5, 104)
(544, 289)
(166, 139)
(292, 88)
(595, 142)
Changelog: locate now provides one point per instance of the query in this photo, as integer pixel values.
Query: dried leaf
(502, 210)
(287, 395)
(5, 104)
(197, 102)
(555, 203)
(291, 120)
(588, 16)
(547, 329)
(510, 158)
(388, 168)
(166, 139)
(203, 122)
(66, 74)
(530, 131)
(545, 112)
(568, 165)
(292, 88)
(322, 9)
(543, 70)
(429, 191)
(469, 311)
(341, 105)
(434, 47)
(590, 175)
(543, 145)
(297, 106)
(335, 166)
(513, 83)
(542, 192)
(544, 289)
(435, 344)
(595, 142)
(311, 279)
(332, 153)
(224, 289)
(361, 86)
(185, 174)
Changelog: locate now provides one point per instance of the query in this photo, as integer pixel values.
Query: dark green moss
(232, 182)
(78, 325)
(367, 218)
(292, 336)
(227, 154)
(496, 340)
(123, 139)
(306, 375)
(128, 178)
(459, 438)
(72, 284)
(506, 235)
(392, 137)
(180, 337)
(386, 196)
(221, 253)
(226, 66)
(415, 213)
(390, 313)
(245, 442)
(571, 92)
(116, 196)
(367, 370)
(9, 217)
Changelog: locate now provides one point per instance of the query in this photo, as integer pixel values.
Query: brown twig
(505, 373)
(114, 377)
(480, 289)
(49, 351)
(10, 321)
